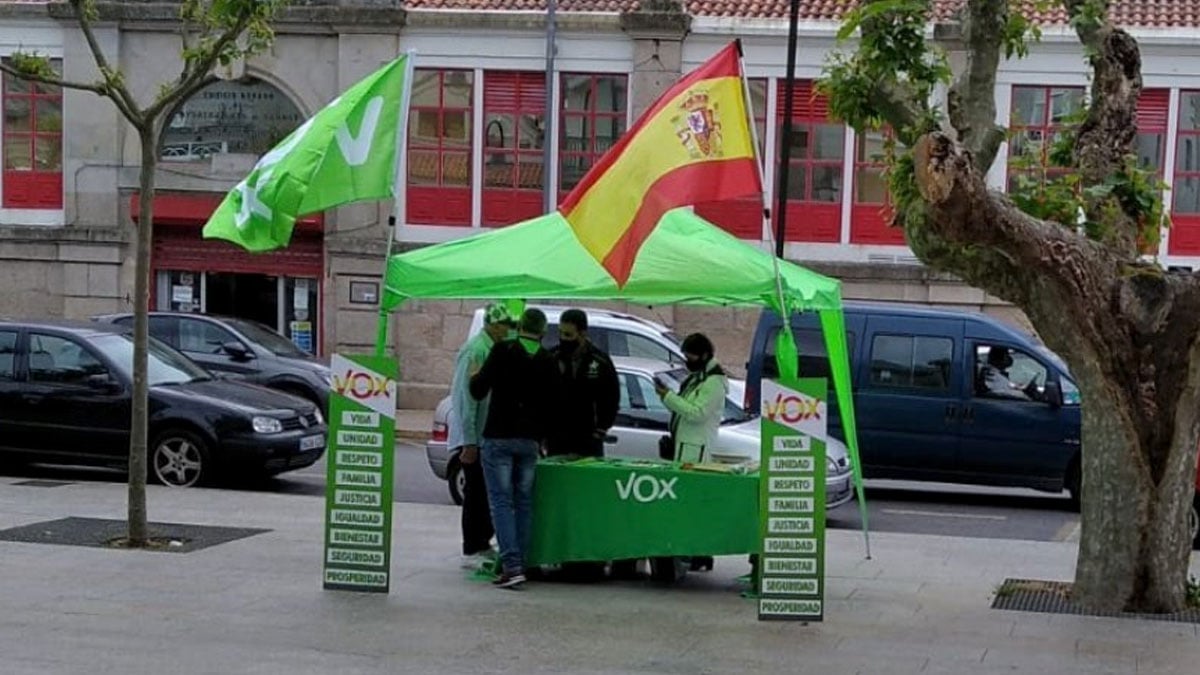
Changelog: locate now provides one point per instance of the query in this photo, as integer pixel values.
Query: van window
(911, 361)
(1006, 373)
(813, 360)
(8, 352)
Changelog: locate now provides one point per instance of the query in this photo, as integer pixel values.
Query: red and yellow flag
(693, 145)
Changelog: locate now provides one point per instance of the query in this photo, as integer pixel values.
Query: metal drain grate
(43, 483)
(1054, 597)
(100, 533)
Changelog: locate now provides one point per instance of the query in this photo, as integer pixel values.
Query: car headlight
(832, 465)
(266, 425)
(319, 416)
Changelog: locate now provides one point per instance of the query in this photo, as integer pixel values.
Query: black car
(244, 349)
(65, 396)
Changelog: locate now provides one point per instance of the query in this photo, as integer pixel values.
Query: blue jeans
(508, 470)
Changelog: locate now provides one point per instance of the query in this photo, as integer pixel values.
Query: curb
(413, 435)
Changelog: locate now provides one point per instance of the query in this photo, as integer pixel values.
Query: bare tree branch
(185, 26)
(901, 109)
(97, 88)
(1107, 137)
(971, 101)
(194, 77)
(116, 89)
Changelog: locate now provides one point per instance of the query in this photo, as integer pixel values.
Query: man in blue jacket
(467, 417)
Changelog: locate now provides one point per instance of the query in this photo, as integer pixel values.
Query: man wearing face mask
(697, 407)
(588, 394)
(465, 433)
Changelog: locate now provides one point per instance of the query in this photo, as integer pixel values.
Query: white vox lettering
(251, 206)
(357, 150)
(646, 488)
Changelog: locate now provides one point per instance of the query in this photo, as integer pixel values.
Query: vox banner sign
(358, 487)
(792, 501)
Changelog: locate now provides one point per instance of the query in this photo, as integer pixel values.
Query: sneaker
(507, 580)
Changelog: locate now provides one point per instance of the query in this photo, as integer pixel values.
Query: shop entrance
(288, 305)
(246, 296)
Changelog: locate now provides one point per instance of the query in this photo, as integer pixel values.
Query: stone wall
(50, 272)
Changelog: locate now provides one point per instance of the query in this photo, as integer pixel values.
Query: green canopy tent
(684, 260)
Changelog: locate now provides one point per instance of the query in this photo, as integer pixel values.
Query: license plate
(311, 443)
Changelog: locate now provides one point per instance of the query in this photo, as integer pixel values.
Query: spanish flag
(693, 145)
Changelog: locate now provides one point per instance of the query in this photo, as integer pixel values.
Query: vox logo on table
(645, 488)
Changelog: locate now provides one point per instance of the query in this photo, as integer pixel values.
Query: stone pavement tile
(1068, 626)
(1047, 656)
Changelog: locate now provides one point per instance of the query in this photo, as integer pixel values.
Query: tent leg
(381, 335)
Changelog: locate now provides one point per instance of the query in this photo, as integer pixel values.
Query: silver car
(642, 419)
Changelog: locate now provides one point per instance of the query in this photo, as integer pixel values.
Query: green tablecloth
(619, 509)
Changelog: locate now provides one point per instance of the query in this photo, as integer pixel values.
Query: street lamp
(785, 148)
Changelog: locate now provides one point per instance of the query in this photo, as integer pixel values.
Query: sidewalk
(414, 425)
(256, 606)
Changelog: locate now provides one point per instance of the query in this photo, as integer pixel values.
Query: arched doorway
(219, 132)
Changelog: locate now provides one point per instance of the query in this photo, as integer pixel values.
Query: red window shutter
(514, 92)
(808, 104)
(1152, 110)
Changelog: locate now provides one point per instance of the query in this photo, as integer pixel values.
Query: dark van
(943, 396)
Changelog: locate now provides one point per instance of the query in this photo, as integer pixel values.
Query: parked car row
(66, 396)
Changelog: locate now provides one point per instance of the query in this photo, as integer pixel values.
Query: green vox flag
(345, 153)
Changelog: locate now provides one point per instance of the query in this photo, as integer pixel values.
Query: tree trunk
(1129, 332)
(1139, 469)
(139, 424)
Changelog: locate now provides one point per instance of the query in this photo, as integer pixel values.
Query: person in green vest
(465, 434)
(697, 407)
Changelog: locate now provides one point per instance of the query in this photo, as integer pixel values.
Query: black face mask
(568, 346)
(695, 366)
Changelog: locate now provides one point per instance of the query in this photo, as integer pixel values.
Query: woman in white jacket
(697, 408)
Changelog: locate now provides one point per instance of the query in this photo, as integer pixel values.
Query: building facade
(476, 154)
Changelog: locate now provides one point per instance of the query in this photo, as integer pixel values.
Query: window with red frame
(593, 110)
(744, 217)
(870, 213)
(1184, 238)
(32, 144)
(514, 108)
(1151, 144)
(818, 158)
(439, 148)
(1152, 112)
(1039, 117)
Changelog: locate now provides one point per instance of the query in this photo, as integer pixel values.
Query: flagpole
(548, 140)
(399, 193)
(758, 166)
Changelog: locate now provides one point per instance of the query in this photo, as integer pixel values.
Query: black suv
(244, 349)
(65, 398)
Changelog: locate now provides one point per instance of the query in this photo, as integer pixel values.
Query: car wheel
(1194, 522)
(456, 480)
(179, 458)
